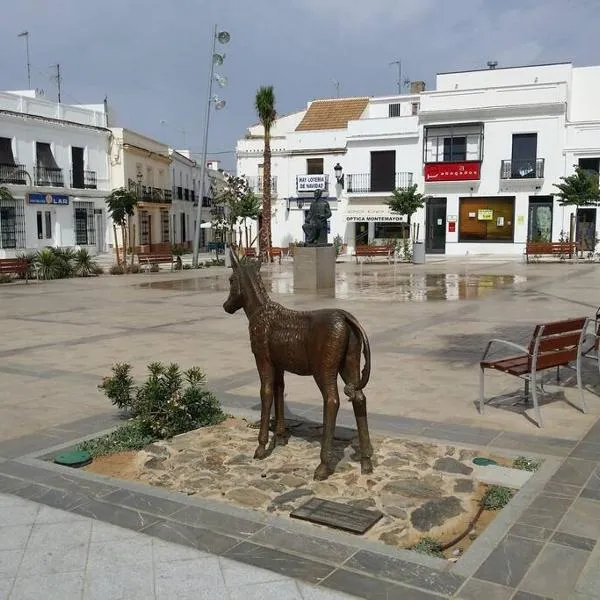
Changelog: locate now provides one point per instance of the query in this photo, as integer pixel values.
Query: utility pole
(399, 83)
(58, 79)
(25, 34)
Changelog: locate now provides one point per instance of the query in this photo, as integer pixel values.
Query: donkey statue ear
(235, 261)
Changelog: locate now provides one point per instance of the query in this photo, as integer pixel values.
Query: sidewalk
(55, 555)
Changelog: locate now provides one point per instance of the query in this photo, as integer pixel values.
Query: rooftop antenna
(492, 64)
(25, 34)
(337, 87)
(399, 82)
(58, 78)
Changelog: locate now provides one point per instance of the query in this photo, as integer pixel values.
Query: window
(48, 220)
(183, 231)
(383, 171)
(165, 234)
(591, 165)
(85, 224)
(8, 227)
(524, 155)
(455, 149)
(144, 228)
(414, 108)
(314, 166)
(390, 231)
(394, 110)
(206, 202)
(486, 219)
(179, 193)
(47, 172)
(40, 225)
(77, 171)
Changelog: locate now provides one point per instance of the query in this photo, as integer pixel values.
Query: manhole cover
(73, 459)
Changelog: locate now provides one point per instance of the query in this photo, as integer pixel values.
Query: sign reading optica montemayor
(37, 198)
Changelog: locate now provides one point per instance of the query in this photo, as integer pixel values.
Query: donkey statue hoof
(366, 466)
(322, 472)
(261, 452)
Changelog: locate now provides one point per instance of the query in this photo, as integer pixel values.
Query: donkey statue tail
(362, 334)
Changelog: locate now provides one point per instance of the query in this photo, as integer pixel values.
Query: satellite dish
(223, 37)
(218, 59)
(222, 81)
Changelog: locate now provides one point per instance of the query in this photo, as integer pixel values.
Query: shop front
(373, 225)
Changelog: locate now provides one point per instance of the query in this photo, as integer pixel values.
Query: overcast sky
(151, 58)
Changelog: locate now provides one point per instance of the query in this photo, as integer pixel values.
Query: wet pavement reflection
(388, 285)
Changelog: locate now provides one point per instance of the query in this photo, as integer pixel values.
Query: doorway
(586, 229)
(539, 223)
(435, 226)
(361, 233)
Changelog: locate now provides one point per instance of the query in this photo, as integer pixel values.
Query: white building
(54, 162)
(485, 147)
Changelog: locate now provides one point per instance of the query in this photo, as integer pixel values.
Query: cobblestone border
(332, 559)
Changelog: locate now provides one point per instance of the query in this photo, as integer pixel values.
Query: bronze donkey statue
(321, 343)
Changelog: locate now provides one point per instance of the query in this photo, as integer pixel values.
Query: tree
(265, 108)
(579, 189)
(249, 208)
(406, 201)
(121, 204)
(228, 196)
(5, 194)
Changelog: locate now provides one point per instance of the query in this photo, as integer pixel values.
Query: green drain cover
(483, 462)
(73, 459)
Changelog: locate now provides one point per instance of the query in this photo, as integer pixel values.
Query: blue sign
(37, 198)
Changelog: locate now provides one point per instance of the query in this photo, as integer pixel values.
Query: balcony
(13, 174)
(522, 169)
(154, 195)
(361, 183)
(49, 177)
(84, 180)
(256, 184)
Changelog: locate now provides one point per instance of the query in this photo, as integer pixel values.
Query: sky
(151, 59)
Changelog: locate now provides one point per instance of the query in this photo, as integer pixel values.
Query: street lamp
(339, 174)
(222, 37)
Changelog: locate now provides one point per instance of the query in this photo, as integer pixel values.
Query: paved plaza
(427, 324)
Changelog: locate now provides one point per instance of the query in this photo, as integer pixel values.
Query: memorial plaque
(339, 516)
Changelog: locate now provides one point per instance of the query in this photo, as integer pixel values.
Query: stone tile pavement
(51, 554)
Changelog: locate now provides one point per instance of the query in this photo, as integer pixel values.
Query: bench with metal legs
(553, 345)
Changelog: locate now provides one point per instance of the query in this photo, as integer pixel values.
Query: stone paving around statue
(427, 325)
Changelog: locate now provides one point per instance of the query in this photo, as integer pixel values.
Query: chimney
(417, 87)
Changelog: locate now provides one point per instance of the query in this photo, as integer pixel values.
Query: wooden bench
(250, 252)
(373, 251)
(155, 258)
(551, 249)
(15, 266)
(552, 345)
(276, 252)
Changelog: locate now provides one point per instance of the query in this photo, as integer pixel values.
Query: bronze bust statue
(315, 227)
(322, 343)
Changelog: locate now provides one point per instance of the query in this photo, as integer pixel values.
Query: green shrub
(83, 263)
(526, 464)
(64, 262)
(187, 267)
(117, 270)
(98, 270)
(429, 546)
(496, 497)
(169, 402)
(5, 278)
(134, 435)
(29, 258)
(134, 268)
(46, 264)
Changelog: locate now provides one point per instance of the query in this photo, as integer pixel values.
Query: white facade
(486, 148)
(54, 162)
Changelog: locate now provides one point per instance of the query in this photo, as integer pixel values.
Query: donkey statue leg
(266, 400)
(331, 404)
(281, 434)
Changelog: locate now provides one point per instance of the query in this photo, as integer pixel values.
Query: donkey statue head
(242, 283)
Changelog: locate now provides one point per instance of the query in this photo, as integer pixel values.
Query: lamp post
(25, 34)
(339, 175)
(215, 59)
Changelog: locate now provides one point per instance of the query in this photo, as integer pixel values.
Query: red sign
(452, 227)
(453, 171)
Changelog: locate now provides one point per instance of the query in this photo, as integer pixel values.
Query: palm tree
(265, 108)
(121, 207)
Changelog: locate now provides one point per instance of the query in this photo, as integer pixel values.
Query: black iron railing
(84, 180)
(13, 174)
(522, 168)
(364, 183)
(49, 177)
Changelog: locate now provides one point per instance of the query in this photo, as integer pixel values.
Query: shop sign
(453, 171)
(485, 214)
(376, 218)
(56, 199)
(310, 183)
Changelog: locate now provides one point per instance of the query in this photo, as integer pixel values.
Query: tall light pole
(215, 59)
(399, 82)
(25, 35)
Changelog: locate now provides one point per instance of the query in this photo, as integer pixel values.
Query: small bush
(154, 268)
(83, 263)
(5, 278)
(98, 270)
(496, 497)
(169, 402)
(429, 546)
(526, 464)
(134, 435)
(187, 267)
(134, 268)
(117, 270)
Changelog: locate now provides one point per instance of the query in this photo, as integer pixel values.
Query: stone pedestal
(314, 268)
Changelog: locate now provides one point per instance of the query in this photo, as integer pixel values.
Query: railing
(13, 174)
(256, 184)
(157, 195)
(361, 183)
(522, 169)
(49, 177)
(81, 180)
